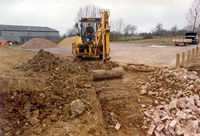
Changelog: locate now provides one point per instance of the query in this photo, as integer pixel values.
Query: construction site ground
(109, 103)
(154, 55)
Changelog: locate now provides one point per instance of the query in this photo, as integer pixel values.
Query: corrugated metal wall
(23, 36)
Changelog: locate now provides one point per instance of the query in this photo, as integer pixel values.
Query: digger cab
(94, 22)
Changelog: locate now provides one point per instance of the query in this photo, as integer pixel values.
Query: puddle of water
(156, 46)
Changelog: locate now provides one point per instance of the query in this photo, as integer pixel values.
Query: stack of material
(179, 117)
(67, 41)
(37, 43)
(177, 111)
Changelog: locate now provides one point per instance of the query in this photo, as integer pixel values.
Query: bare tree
(133, 29)
(89, 11)
(193, 15)
(159, 28)
(129, 29)
(174, 30)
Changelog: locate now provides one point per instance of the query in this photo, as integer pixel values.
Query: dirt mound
(44, 61)
(67, 41)
(38, 43)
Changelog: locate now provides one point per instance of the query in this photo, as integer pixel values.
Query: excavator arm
(103, 35)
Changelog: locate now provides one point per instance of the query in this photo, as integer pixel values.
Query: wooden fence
(187, 57)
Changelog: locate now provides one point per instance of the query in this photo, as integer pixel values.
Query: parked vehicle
(182, 41)
(194, 36)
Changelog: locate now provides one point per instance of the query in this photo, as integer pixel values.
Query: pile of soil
(45, 61)
(38, 43)
(67, 41)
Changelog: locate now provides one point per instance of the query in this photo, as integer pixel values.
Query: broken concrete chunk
(147, 114)
(117, 126)
(173, 104)
(156, 133)
(181, 115)
(151, 129)
(160, 127)
(173, 123)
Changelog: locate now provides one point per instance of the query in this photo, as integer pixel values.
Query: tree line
(120, 29)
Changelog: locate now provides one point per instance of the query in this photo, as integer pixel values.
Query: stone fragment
(181, 115)
(173, 123)
(34, 120)
(151, 129)
(173, 104)
(143, 105)
(77, 107)
(167, 124)
(160, 127)
(117, 126)
(192, 106)
(143, 92)
(147, 114)
(35, 113)
(156, 133)
(172, 131)
(156, 117)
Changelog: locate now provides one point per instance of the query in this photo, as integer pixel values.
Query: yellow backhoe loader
(96, 44)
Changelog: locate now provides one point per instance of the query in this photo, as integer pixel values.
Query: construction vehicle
(98, 44)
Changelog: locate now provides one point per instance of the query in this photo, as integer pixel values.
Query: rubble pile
(177, 104)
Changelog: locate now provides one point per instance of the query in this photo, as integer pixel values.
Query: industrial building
(25, 33)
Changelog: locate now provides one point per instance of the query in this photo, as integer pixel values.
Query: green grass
(156, 40)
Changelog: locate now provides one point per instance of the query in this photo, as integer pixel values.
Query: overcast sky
(60, 14)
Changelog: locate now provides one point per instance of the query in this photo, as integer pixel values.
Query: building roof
(26, 28)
